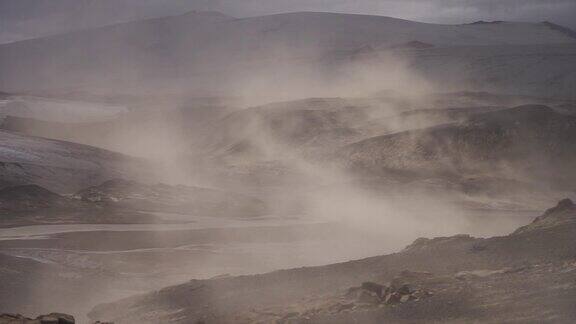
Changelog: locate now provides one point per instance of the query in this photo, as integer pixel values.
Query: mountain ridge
(192, 46)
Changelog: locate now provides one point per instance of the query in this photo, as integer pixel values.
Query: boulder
(53, 318)
(378, 289)
(392, 298)
(368, 297)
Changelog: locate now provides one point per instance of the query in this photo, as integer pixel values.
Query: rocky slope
(526, 142)
(316, 126)
(467, 144)
(529, 274)
(531, 70)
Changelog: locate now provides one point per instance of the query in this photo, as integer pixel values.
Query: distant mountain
(207, 52)
(27, 19)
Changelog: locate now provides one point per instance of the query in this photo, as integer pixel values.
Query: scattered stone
(353, 292)
(340, 307)
(392, 298)
(53, 318)
(438, 242)
(222, 276)
(288, 318)
(400, 290)
(564, 212)
(467, 275)
(368, 297)
(404, 290)
(373, 287)
(415, 275)
(405, 298)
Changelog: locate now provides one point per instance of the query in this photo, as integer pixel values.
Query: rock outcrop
(564, 212)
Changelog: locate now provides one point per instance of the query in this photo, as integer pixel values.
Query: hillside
(533, 70)
(450, 279)
(57, 110)
(526, 142)
(60, 166)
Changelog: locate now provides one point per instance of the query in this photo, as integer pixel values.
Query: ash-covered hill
(31, 204)
(207, 52)
(527, 276)
(57, 109)
(133, 195)
(316, 126)
(133, 133)
(60, 166)
(119, 201)
(29, 198)
(533, 70)
(526, 142)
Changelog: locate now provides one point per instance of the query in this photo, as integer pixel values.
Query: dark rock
(482, 22)
(564, 212)
(373, 287)
(56, 318)
(438, 242)
(31, 197)
(404, 290)
(368, 297)
(337, 308)
(353, 292)
(392, 298)
(53, 318)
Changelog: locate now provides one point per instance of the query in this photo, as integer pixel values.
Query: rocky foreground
(528, 276)
(53, 318)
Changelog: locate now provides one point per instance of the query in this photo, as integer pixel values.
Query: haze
(287, 162)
